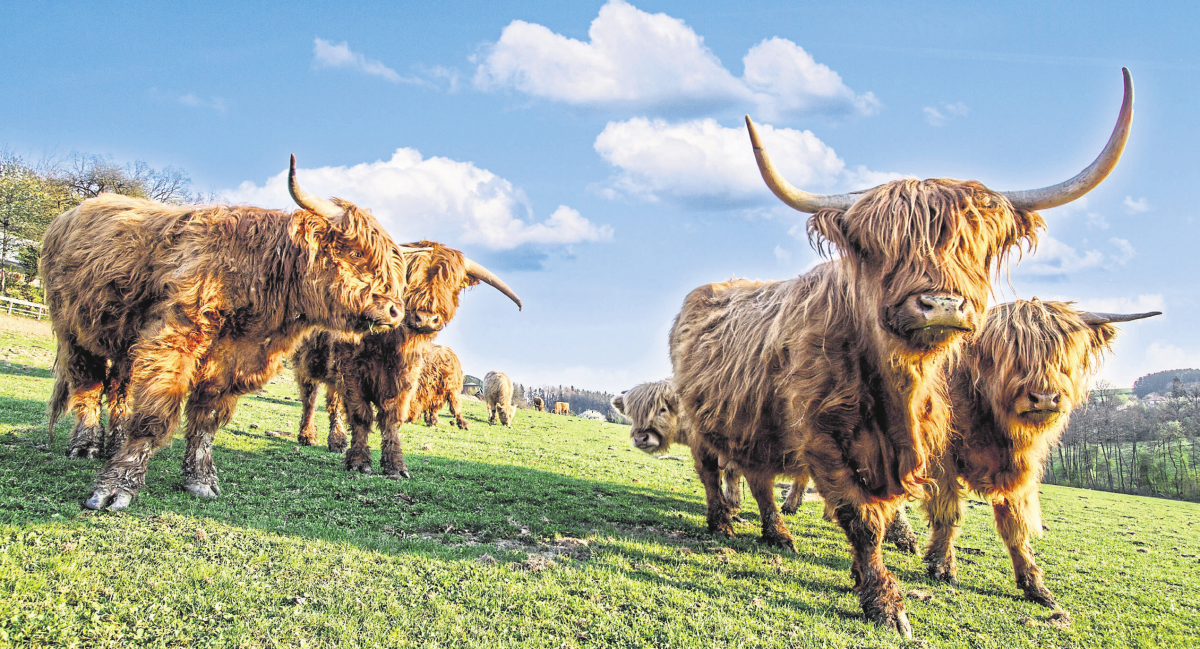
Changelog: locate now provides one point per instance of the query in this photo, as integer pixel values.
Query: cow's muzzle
(646, 440)
(424, 322)
(382, 315)
(930, 319)
(1042, 407)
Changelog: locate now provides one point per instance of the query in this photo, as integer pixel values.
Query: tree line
(1148, 447)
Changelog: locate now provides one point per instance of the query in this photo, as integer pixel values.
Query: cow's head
(352, 260)
(654, 410)
(436, 274)
(922, 254)
(1031, 362)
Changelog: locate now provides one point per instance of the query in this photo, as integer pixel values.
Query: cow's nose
(936, 304)
(1045, 401)
(640, 439)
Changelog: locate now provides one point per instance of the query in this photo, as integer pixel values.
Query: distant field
(553, 534)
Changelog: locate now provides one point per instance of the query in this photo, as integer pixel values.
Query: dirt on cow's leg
(204, 416)
(116, 389)
(901, 534)
(431, 418)
(308, 407)
(334, 406)
(733, 490)
(795, 497)
(456, 410)
(362, 417)
(943, 509)
(391, 452)
(774, 532)
(877, 589)
(1015, 517)
(719, 517)
(86, 374)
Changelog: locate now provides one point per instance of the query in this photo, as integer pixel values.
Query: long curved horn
(795, 198)
(1093, 175)
(314, 204)
(488, 277)
(1093, 319)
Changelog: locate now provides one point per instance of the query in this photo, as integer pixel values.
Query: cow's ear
(618, 402)
(828, 228)
(1102, 336)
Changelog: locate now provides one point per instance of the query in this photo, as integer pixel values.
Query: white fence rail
(13, 306)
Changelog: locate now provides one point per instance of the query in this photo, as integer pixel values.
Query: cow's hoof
(721, 529)
(781, 542)
(398, 473)
(84, 452)
(337, 448)
(907, 546)
(897, 622)
(940, 573)
(789, 510)
(737, 519)
(1041, 596)
(202, 490)
(361, 468)
(306, 441)
(114, 501)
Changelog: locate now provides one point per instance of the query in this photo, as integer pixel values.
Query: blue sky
(593, 154)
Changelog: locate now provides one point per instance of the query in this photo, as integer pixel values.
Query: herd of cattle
(881, 375)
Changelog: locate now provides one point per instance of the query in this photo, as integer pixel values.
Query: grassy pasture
(485, 546)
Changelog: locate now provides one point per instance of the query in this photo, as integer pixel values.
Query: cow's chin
(931, 337)
(367, 325)
(1039, 418)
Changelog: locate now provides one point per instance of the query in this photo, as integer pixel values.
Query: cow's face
(654, 411)
(435, 278)
(1032, 361)
(922, 254)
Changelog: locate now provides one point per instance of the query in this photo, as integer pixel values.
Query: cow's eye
(357, 254)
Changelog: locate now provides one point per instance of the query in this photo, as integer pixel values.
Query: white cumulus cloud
(437, 198)
(701, 163)
(1056, 259)
(654, 61)
(329, 55)
(1139, 206)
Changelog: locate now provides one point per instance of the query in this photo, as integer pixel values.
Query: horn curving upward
(796, 198)
(1093, 319)
(488, 277)
(305, 200)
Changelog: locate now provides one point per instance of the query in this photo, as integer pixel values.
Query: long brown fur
(441, 382)
(154, 303)
(377, 375)
(1025, 347)
(811, 373)
(498, 394)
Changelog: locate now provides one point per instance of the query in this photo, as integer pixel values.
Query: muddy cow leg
(334, 405)
(795, 498)
(774, 532)
(308, 407)
(878, 592)
(431, 411)
(116, 390)
(733, 489)
(456, 409)
(943, 509)
(163, 368)
(1015, 518)
(86, 375)
(207, 410)
(900, 533)
(493, 411)
(718, 515)
(391, 451)
(362, 416)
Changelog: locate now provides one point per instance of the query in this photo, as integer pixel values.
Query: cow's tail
(58, 398)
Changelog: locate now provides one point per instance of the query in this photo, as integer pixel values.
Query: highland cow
(562, 408)
(376, 376)
(1013, 393)
(441, 382)
(161, 302)
(498, 394)
(539, 404)
(839, 372)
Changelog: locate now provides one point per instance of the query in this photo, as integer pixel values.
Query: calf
(441, 383)
(498, 394)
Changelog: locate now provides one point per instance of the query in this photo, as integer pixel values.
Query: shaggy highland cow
(498, 394)
(539, 404)
(562, 408)
(1013, 392)
(441, 383)
(840, 371)
(376, 376)
(161, 302)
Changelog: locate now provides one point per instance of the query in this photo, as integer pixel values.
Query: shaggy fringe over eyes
(361, 229)
(435, 278)
(1026, 341)
(642, 402)
(956, 233)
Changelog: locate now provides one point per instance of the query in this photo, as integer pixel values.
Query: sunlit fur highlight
(498, 394)
(441, 383)
(161, 302)
(810, 374)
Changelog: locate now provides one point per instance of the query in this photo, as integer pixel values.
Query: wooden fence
(13, 306)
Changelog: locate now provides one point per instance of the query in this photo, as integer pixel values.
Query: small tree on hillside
(23, 211)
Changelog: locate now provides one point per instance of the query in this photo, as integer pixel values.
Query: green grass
(297, 552)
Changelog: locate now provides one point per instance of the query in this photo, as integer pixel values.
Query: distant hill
(1160, 382)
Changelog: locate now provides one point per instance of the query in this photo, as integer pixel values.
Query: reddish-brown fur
(376, 377)
(441, 383)
(194, 301)
(998, 443)
(817, 373)
(498, 394)
(562, 408)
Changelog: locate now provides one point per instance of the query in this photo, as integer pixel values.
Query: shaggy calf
(376, 376)
(441, 382)
(839, 371)
(1013, 393)
(153, 303)
(498, 394)
(562, 408)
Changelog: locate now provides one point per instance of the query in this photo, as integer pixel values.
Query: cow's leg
(719, 517)
(943, 509)
(116, 389)
(85, 374)
(900, 533)
(391, 451)
(733, 489)
(308, 407)
(362, 417)
(795, 498)
(878, 592)
(1015, 517)
(492, 410)
(431, 411)
(163, 368)
(774, 532)
(334, 405)
(456, 409)
(208, 409)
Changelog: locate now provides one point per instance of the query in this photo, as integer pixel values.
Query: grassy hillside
(552, 534)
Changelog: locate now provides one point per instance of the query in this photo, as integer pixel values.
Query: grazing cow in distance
(840, 371)
(562, 408)
(498, 393)
(539, 404)
(153, 303)
(441, 382)
(376, 376)
(1013, 392)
